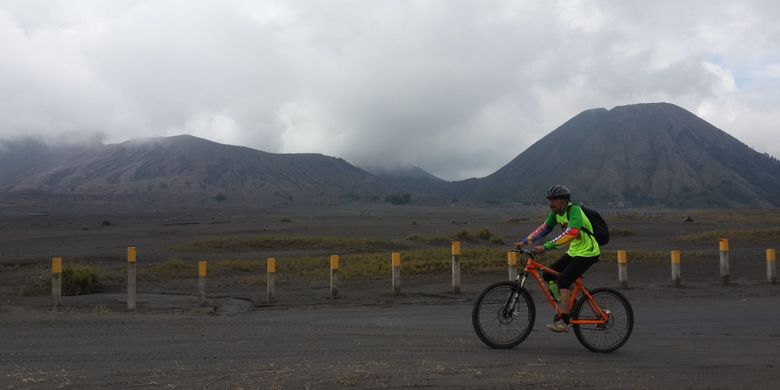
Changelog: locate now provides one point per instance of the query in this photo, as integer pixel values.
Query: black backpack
(600, 229)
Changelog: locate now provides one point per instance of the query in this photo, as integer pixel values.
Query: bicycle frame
(532, 268)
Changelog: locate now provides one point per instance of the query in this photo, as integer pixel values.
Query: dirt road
(724, 343)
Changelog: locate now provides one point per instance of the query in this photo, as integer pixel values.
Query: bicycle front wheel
(604, 337)
(503, 316)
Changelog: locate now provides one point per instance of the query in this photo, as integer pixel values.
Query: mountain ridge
(648, 154)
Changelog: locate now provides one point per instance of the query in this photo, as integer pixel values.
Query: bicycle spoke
(498, 324)
(611, 335)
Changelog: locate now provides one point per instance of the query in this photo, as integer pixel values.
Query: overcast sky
(458, 88)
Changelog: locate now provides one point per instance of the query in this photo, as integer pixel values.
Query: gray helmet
(558, 192)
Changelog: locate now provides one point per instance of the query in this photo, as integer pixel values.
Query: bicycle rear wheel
(503, 316)
(605, 337)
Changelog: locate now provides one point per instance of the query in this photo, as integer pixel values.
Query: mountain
(638, 155)
(182, 165)
(413, 179)
(643, 154)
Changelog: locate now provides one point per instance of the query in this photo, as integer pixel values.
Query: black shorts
(570, 268)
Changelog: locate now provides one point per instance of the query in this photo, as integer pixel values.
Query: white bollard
(396, 263)
(202, 282)
(676, 269)
(131, 271)
(723, 244)
(56, 281)
(622, 268)
(456, 267)
(511, 265)
(334, 276)
(271, 280)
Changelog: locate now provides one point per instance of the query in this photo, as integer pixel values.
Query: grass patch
(620, 233)
(751, 235)
(180, 269)
(173, 269)
(80, 279)
(238, 244)
(611, 256)
(482, 234)
(378, 265)
(77, 279)
(433, 241)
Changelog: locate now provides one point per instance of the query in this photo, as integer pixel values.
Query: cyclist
(583, 249)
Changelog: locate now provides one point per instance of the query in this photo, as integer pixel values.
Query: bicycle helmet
(558, 192)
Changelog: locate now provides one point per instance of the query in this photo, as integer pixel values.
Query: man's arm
(572, 231)
(543, 230)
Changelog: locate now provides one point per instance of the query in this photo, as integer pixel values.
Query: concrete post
(723, 244)
(396, 262)
(334, 276)
(456, 267)
(622, 268)
(771, 271)
(511, 265)
(202, 282)
(271, 279)
(676, 269)
(131, 271)
(56, 281)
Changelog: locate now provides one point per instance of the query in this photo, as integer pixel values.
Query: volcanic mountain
(182, 165)
(643, 154)
(638, 155)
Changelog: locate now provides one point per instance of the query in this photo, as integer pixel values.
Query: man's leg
(574, 269)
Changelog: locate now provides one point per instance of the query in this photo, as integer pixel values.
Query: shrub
(79, 280)
(398, 198)
(484, 234)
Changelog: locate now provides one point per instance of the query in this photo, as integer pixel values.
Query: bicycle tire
(604, 338)
(489, 314)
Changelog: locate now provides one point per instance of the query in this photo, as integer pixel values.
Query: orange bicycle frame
(532, 268)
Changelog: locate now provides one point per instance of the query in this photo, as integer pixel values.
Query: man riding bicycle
(583, 250)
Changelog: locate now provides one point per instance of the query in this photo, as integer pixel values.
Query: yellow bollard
(511, 260)
(456, 267)
(202, 282)
(396, 263)
(131, 272)
(723, 245)
(271, 279)
(56, 280)
(771, 270)
(334, 276)
(622, 268)
(676, 269)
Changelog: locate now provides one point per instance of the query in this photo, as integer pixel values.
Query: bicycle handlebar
(524, 251)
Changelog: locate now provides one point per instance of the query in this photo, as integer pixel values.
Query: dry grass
(751, 235)
(239, 244)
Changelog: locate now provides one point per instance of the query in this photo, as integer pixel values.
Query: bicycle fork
(509, 309)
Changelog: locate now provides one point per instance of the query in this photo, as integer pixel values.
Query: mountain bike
(504, 313)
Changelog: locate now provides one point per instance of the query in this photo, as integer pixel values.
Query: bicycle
(504, 313)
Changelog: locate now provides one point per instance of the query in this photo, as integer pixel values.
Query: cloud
(456, 87)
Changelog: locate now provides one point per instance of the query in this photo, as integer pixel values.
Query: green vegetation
(398, 199)
(482, 234)
(433, 241)
(752, 235)
(237, 244)
(378, 265)
(620, 233)
(79, 280)
(174, 268)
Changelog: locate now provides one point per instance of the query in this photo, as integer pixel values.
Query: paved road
(731, 343)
